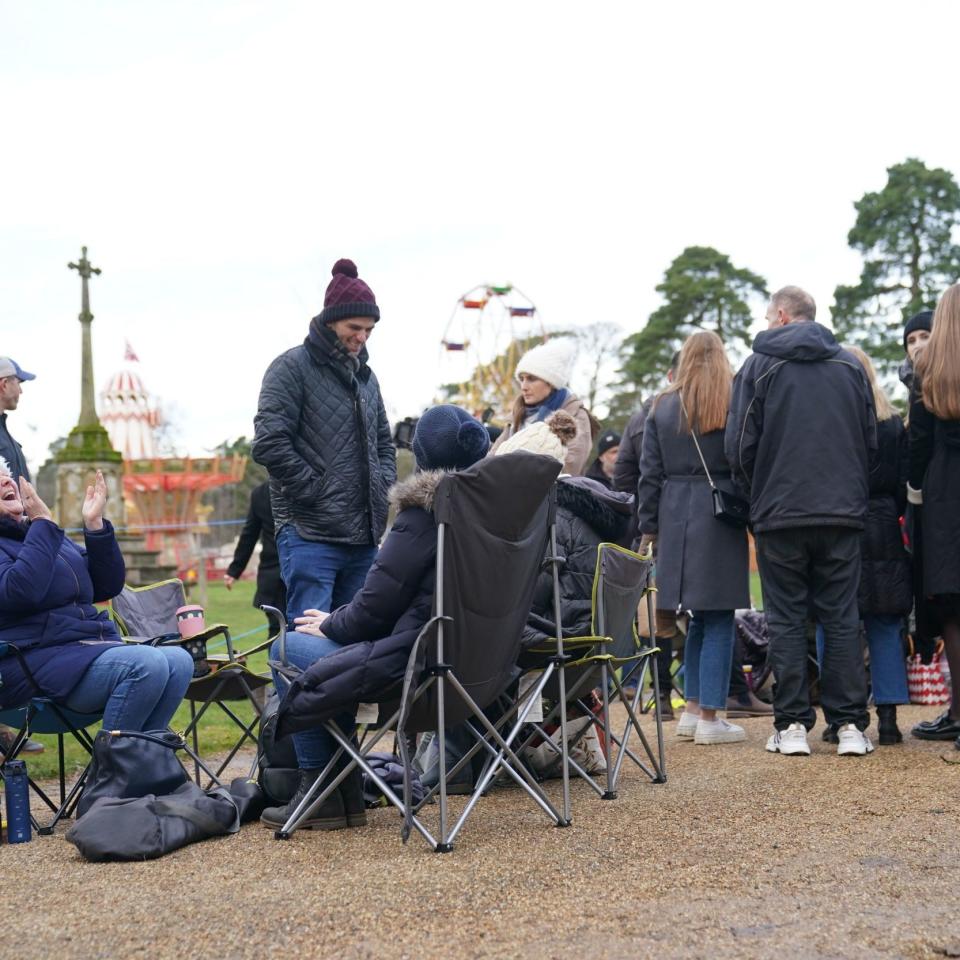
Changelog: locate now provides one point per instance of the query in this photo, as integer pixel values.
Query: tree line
(904, 234)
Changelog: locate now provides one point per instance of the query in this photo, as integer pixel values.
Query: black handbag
(131, 763)
(143, 828)
(727, 507)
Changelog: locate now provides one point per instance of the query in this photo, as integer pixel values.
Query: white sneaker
(790, 742)
(687, 726)
(853, 742)
(718, 731)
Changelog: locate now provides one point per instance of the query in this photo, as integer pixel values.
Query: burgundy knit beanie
(347, 295)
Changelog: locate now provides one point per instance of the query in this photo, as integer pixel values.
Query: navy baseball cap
(10, 368)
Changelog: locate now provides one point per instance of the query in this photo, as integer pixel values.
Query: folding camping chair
(42, 715)
(148, 615)
(621, 579)
(492, 528)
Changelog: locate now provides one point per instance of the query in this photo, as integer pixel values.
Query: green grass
(217, 732)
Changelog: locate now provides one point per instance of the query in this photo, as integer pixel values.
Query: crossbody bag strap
(693, 435)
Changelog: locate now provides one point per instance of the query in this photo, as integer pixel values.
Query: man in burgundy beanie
(321, 431)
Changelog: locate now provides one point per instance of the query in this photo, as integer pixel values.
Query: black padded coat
(885, 586)
(935, 471)
(379, 626)
(322, 432)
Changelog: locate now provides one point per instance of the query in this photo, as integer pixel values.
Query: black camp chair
(148, 615)
(41, 715)
(492, 527)
(610, 658)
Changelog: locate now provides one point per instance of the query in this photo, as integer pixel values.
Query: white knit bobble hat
(551, 361)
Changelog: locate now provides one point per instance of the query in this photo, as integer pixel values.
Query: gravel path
(741, 854)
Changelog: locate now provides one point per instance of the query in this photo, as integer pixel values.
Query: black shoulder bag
(727, 507)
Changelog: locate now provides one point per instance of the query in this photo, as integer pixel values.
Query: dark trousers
(819, 568)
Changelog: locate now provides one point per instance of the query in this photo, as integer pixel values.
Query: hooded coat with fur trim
(379, 626)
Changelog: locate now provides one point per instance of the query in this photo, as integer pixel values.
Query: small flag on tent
(129, 355)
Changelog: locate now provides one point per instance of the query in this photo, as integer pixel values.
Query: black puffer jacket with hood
(588, 514)
(322, 432)
(379, 626)
(801, 433)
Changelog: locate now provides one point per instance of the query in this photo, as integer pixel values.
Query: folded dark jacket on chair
(144, 828)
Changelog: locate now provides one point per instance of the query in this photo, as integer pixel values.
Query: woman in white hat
(543, 373)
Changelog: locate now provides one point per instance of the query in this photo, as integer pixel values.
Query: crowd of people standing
(801, 446)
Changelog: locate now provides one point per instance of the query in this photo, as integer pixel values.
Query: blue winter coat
(379, 626)
(48, 586)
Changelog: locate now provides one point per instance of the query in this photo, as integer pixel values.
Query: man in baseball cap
(12, 375)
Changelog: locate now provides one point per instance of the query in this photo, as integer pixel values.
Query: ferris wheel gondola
(488, 330)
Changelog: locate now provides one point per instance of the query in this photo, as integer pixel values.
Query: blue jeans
(320, 576)
(888, 669)
(315, 747)
(136, 687)
(707, 658)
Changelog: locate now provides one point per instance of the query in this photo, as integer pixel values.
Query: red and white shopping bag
(928, 683)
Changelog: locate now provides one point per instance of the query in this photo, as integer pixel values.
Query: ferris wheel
(489, 329)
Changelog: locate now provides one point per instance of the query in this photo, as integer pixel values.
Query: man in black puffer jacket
(801, 438)
(321, 431)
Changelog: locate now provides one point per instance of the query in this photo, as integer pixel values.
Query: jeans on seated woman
(315, 747)
(135, 686)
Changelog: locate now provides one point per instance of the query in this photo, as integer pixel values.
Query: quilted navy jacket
(379, 626)
(322, 432)
(48, 586)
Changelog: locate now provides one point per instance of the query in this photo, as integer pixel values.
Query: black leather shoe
(330, 815)
(888, 733)
(830, 734)
(943, 728)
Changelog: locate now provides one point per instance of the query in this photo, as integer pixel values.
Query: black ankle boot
(888, 733)
(330, 815)
(354, 806)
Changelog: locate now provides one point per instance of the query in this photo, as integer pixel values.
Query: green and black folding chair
(608, 658)
(149, 615)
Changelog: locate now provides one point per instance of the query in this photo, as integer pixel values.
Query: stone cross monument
(88, 446)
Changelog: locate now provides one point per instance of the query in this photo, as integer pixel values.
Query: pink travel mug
(190, 621)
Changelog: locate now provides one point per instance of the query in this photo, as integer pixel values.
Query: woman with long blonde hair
(885, 594)
(702, 562)
(934, 482)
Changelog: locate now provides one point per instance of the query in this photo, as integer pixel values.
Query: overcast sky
(217, 157)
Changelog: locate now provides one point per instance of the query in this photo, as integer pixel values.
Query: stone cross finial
(88, 409)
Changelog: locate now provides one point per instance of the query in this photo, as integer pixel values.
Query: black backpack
(279, 774)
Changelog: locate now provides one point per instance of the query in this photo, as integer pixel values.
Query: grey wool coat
(702, 562)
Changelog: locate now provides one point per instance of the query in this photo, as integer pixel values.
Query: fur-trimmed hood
(418, 490)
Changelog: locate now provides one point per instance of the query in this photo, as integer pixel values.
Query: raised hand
(94, 502)
(33, 506)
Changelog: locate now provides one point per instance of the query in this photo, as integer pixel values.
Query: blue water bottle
(17, 789)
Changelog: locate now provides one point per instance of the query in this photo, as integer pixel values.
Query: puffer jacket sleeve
(385, 448)
(407, 555)
(104, 562)
(275, 430)
(24, 581)
(651, 478)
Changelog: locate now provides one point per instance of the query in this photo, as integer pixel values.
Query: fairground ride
(488, 331)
